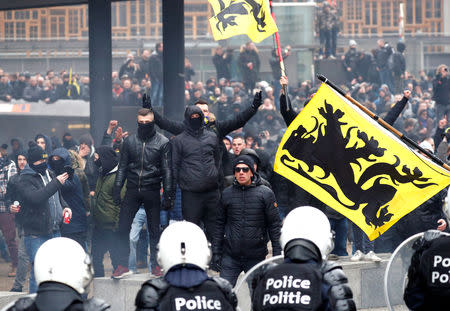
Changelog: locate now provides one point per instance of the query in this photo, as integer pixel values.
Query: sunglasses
(243, 169)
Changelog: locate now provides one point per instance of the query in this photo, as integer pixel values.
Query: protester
(247, 215)
(145, 161)
(42, 205)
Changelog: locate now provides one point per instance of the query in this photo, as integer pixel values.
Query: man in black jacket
(42, 206)
(246, 216)
(145, 161)
(156, 74)
(195, 158)
(220, 127)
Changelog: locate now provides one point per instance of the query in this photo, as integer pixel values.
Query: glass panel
(437, 8)
(409, 11)
(20, 30)
(123, 14)
(418, 11)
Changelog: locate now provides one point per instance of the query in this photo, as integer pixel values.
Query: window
(367, 12)
(22, 14)
(35, 14)
(20, 30)
(142, 13)
(43, 27)
(33, 32)
(123, 14)
(53, 27)
(73, 21)
(418, 11)
(429, 8)
(8, 15)
(9, 30)
(350, 6)
(133, 13)
(62, 26)
(114, 6)
(409, 11)
(437, 8)
(374, 13)
(385, 13)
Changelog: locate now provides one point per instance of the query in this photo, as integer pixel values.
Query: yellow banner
(348, 161)
(237, 17)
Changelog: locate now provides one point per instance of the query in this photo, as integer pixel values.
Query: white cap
(352, 43)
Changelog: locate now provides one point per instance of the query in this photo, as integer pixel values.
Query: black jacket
(196, 156)
(35, 209)
(222, 64)
(246, 217)
(441, 90)
(144, 164)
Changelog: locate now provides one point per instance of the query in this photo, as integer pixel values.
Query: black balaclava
(146, 130)
(196, 123)
(57, 166)
(107, 159)
(35, 154)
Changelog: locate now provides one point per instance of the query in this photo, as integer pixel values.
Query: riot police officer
(305, 280)
(63, 272)
(184, 255)
(428, 275)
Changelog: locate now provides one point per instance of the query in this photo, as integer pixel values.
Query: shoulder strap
(150, 294)
(227, 290)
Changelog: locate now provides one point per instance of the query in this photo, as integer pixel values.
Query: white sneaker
(357, 256)
(372, 257)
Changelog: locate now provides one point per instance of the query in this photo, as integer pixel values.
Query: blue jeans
(138, 222)
(32, 244)
(361, 241)
(232, 267)
(339, 226)
(157, 93)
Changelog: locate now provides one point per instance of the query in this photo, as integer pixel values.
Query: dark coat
(144, 164)
(424, 217)
(222, 64)
(196, 156)
(249, 75)
(35, 209)
(246, 217)
(72, 193)
(441, 90)
(32, 93)
(155, 64)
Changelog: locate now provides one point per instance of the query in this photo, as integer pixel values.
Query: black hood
(190, 110)
(108, 159)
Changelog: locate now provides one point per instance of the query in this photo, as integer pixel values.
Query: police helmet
(183, 243)
(64, 261)
(309, 223)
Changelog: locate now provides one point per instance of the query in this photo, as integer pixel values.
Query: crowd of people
(215, 169)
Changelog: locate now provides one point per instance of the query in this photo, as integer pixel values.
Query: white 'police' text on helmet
(183, 243)
(64, 261)
(308, 223)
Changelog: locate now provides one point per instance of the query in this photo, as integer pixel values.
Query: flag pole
(277, 39)
(383, 123)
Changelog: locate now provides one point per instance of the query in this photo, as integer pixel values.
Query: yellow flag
(237, 17)
(348, 161)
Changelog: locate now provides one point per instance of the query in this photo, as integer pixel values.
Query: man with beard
(195, 157)
(145, 161)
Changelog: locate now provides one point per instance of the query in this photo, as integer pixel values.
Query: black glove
(257, 100)
(167, 203)
(116, 195)
(216, 263)
(146, 101)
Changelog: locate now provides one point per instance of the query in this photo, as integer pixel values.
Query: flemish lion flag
(344, 158)
(237, 17)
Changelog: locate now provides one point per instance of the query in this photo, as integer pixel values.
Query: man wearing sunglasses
(247, 216)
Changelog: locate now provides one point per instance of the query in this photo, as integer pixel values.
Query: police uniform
(212, 294)
(429, 273)
(302, 282)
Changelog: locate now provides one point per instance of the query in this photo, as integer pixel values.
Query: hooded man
(72, 192)
(195, 158)
(247, 216)
(42, 206)
(105, 212)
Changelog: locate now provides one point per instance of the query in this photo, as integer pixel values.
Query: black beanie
(245, 159)
(36, 153)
